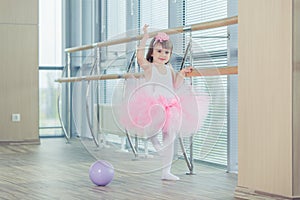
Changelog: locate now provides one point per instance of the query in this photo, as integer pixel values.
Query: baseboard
(20, 142)
(246, 193)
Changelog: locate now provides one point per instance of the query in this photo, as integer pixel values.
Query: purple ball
(101, 173)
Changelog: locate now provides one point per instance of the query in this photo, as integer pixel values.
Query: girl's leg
(167, 153)
(156, 143)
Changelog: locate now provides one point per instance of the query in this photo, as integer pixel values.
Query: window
(50, 62)
(209, 49)
(119, 19)
(49, 124)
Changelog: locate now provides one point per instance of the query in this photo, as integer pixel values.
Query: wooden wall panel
(19, 70)
(296, 98)
(19, 11)
(265, 96)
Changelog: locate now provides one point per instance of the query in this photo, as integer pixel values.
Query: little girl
(162, 103)
(157, 69)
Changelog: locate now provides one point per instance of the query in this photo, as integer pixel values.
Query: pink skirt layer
(144, 112)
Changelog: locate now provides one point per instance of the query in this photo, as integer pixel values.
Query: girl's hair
(166, 44)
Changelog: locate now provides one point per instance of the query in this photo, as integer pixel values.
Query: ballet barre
(198, 72)
(194, 27)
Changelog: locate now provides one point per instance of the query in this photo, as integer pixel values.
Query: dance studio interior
(71, 70)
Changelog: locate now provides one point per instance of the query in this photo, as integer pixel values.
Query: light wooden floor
(56, 170)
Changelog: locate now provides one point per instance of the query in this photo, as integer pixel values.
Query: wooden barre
(199, 72)
(180, 29)
(214, 71)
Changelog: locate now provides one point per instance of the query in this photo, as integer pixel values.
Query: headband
(161, 36)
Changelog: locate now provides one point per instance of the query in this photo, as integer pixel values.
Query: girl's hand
(145, 29)
(185, 71)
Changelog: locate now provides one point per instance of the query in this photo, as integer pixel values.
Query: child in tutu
(159, 71)
(160, 102)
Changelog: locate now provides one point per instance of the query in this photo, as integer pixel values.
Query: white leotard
(163, 83)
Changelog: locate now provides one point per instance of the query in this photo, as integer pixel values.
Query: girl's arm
(179, 76)
(140, 55)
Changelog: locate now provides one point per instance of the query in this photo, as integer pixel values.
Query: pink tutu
(144, 114)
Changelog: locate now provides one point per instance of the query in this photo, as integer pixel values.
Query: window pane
(50, 55)
(210, 50)
(50, 33)
(154, 13)
(49, 121)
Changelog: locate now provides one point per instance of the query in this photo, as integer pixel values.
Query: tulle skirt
(145, 108)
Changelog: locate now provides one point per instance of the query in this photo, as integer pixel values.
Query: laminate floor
(59, 170)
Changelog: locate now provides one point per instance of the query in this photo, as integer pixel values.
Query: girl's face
(160, 55)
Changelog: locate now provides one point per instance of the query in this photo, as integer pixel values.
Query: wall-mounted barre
(180, 29)
(198, 72)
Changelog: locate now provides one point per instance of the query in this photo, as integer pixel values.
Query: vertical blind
(154, 13)
(112, 57)
(209, 49)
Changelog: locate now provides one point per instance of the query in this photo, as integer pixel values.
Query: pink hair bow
(161, 36)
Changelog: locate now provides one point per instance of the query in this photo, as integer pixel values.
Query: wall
(296, 97)
(268, 152)
(19, 70)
